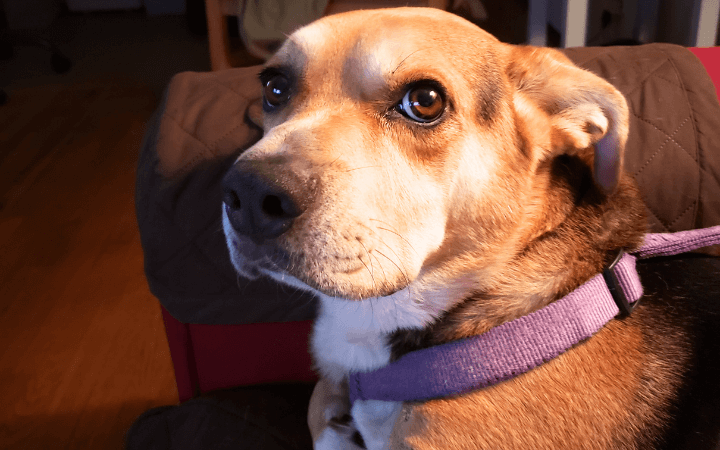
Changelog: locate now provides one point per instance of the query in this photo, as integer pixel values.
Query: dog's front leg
(331, 425)
(334, 426)
(375, 420)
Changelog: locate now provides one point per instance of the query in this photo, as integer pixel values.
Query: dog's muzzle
(257, 205)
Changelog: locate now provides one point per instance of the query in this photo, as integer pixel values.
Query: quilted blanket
(203, 124)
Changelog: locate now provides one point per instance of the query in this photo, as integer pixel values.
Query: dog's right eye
(276, 91)
(423, 103)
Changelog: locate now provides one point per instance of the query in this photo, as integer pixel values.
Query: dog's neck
(577, 231)
(575, 239)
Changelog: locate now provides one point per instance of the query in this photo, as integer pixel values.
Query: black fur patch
(490, 92)
(686, 290)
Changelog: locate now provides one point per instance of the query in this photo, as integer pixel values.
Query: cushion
(673, 149)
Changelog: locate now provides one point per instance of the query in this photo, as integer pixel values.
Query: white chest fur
(352, 335)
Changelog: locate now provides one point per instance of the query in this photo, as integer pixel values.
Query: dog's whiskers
(359, 168)
(371, 268)
(403, 61)
(407, 280)
(381, 267)
(395, 233)
(240, 287)
(332, 162)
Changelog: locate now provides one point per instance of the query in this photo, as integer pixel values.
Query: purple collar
(520, 345)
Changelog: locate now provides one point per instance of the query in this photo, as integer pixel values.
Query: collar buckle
(616, 290)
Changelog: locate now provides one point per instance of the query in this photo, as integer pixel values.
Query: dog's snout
(257, 207)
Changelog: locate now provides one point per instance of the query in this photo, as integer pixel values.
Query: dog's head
(407, 148)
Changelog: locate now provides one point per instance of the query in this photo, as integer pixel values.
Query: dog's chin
(343, 285)
(340, 286)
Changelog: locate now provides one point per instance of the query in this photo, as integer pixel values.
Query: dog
(429, 183)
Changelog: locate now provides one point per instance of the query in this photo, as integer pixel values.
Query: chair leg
(537, 23)
(6, 50)
(217, 36)
(59, 62)
(704, 26)
(574, 23)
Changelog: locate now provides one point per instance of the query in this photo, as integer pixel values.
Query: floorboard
(82, 345)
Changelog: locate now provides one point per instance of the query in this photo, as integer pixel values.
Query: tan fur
(495, 207)
(594, 397)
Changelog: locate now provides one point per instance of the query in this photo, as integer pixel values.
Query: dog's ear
(579, 109)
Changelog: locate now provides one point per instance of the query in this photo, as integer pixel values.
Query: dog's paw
(340, 435)
(375, 419)
(344, 426)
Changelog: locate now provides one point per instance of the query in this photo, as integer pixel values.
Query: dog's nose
(255, 206)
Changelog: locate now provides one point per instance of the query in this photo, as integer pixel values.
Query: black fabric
(257, 418)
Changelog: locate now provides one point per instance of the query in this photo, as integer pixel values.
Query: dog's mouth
(346, 277)
(343, 282)
(252, 260)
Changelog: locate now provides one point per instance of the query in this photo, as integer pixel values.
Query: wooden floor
(82, 344)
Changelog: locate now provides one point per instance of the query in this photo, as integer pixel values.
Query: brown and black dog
(429, 183)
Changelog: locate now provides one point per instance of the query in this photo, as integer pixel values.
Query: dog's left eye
(276, 91)
(424, 103)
